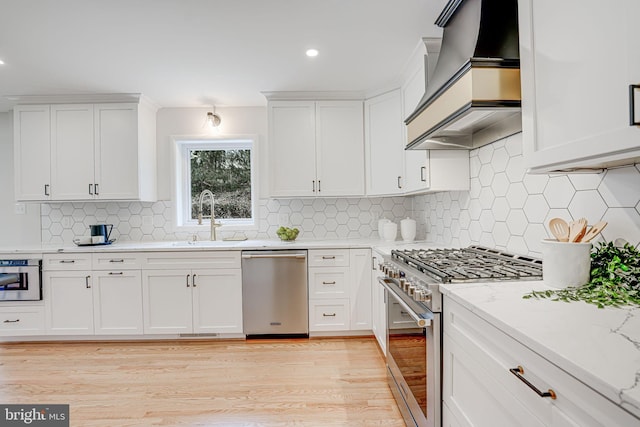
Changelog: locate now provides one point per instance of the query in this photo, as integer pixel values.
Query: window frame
(181, 175)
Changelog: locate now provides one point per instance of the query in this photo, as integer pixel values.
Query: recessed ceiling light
(312, 52)
(1, 62)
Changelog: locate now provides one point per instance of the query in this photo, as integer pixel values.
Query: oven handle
(420, 320)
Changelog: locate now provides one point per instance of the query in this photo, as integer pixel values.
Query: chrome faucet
(214, 224)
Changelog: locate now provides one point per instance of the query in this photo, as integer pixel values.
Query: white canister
(390, 231)
(565, 264)
(381, 223)
(408, 229)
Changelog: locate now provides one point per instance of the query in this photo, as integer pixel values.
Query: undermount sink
(202, 243)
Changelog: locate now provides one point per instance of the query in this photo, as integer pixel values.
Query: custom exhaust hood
(473, 97)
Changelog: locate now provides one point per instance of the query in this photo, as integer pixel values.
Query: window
(225, 167)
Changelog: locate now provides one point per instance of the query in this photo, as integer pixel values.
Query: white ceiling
(187, 53)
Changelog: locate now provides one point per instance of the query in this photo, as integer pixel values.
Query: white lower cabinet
(22, 320)
(192, 301)
(378, 306)
(480, 390)
(87, 303)
(68, 299)
(117, 302)
(339, 290)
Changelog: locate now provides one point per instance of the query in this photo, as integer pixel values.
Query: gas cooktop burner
(475, 263)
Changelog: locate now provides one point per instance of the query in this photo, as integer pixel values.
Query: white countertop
(600, 347)
(201, 245)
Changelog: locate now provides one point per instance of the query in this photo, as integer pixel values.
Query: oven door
(413, 360)
(20, 282)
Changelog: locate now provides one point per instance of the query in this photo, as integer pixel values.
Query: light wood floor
(316, 382)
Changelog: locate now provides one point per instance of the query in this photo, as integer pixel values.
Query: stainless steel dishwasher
(274, 293)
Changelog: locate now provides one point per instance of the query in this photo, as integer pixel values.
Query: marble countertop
(200, 245)
(600, 347)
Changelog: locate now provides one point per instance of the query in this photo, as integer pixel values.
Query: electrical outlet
(20, 209)
(283, 219)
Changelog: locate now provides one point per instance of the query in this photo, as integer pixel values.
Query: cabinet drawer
(53, 262)
(329, 258)
(329, 315)
(22, 320)
(496, 353)
(200, 259)
(117, 261)
(328, 282)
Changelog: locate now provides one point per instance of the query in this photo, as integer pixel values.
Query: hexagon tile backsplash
(509, 209)
(506, 208)
(144, 221)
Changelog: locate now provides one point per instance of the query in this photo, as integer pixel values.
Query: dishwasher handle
(298, 256)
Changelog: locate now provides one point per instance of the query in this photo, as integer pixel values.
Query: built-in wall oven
(20, 280)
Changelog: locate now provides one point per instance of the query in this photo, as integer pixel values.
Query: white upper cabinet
(85, 152)
(316, 148)
(384, 144)
(32, 152)
(72, 152)
(578, 60)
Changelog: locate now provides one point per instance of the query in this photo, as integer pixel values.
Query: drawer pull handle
(67, 261)
(12, 321)
(116, 260)
(632, 105)
(519, 372)
(120, 273)
(328, 315)
(329, 283)
(329, 257)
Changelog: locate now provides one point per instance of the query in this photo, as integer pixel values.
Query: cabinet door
(217, 301)
(166, 300)
(117, 302)
(32, 151)
(575, 84)
(68, 299)
(116, 151)
(72, 152)
(339, 148)
(378, 306)
(292, 159)
(384, 144)
(360, 289)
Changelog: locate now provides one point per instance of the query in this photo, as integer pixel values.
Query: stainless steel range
(412, 280)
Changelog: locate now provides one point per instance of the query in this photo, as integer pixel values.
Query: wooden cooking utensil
(594, 231)
(577, 229)
(560, 229)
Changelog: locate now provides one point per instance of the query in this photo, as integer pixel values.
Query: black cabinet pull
(319, 190)
(632, 105)
(86, 282)
(116, 260)
(91, 189)
(188, 285)
(329, 257)
(46, 190)
(329, 283)
(423, 174)
(119, 273)
(11, 321)
(519, 372)
(399, 185)
(328, 315)
(313, 184)
(67, 261)
(193, 281)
